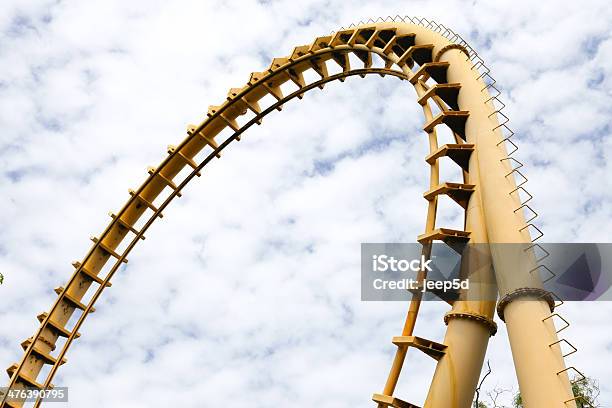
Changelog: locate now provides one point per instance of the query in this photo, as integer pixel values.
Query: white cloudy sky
(247, 292)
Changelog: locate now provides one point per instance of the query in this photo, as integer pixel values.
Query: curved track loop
(402, 57)
(396, 51)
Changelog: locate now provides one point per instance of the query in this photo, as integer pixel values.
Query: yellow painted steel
(536, 363)
(444, 76)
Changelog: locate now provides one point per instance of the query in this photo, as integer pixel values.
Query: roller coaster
(455, 89)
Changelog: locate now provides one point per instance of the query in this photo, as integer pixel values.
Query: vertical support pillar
(521, 303)
(470, 322)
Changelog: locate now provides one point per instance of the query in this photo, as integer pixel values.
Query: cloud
(246, 293)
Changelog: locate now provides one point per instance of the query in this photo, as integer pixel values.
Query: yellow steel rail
(446, 77)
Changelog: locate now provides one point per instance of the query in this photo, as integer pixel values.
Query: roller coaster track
(412, 50)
